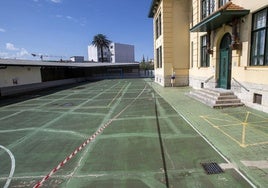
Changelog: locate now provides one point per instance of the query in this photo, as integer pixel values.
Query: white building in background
(77, 58)
(122, 53)
(94, 54)
(116, 53)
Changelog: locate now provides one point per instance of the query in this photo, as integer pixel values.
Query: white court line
(92, 138)
(229, 162)
(12, 170)
(185, 119)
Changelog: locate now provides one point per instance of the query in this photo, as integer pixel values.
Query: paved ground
(124, 133)
(240, 134)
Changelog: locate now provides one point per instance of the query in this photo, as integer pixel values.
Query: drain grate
(212, 168)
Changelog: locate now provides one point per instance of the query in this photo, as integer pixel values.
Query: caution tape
(61, 164)
(100, 130)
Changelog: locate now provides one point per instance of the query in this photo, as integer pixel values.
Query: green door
(225, 63)
(224, 67)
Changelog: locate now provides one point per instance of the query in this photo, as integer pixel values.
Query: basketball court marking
(236, 169)
(72, 175)
(258, 164)
(12, 169)
(246, 124)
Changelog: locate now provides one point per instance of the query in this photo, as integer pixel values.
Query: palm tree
(101, 41)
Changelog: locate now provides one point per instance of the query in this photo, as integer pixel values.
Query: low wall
(11, 90)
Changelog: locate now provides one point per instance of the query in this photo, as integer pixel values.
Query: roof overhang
(153, 8)
(31, 63)
(217, 19)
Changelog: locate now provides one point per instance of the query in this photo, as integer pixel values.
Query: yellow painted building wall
(243, 71)
(240, 58)
(196, 71)
(182, 48)
(175, 42)
(246, 80)
(159, 72)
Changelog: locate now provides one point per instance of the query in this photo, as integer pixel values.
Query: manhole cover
(212, 168)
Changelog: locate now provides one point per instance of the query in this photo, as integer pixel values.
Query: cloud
(22, 52)
(14, 52)
(3, 54)
(56, 1)
(81, 21)
(10, 46)
(2, 30)
(53, 1)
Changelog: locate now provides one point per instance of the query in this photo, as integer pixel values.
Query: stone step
(228, 105)
(215, 95)
(217, 92)
(216, 98)
(224, 101)
(202, 98)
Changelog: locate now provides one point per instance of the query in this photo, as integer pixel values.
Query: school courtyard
(129, 133)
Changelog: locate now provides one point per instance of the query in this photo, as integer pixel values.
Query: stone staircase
(216, 98)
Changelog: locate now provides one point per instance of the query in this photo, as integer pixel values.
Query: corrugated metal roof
(16, 62)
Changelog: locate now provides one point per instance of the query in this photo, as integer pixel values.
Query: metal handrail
(206, 81)
(240, 84)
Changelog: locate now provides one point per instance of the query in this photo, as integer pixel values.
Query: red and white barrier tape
(100, 130)
(61, 164)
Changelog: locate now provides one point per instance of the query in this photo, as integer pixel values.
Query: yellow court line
(252, 114)
(259, 116)
(244, 124)
(234, 118)
(232, 138)
(246, 120)
(226, 120)
(214, 125)
(259, 132)
(221, 119)
(244, 130)
(244, 134)
(259, 143)
(226, 134)
(230, 125)
(253, 124)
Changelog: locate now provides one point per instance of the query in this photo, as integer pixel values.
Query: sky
(64, 28)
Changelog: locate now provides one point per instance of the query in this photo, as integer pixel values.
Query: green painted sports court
(128, 133)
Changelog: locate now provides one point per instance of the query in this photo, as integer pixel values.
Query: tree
(101, 42)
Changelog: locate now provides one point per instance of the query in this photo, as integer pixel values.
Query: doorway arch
(225, 62)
